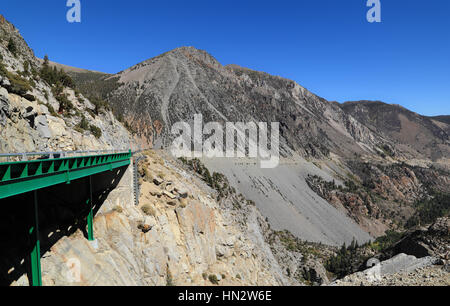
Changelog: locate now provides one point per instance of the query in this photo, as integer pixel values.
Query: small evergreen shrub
(118, 209)
(148, 210)
(53, 76)
(100, 104)
(12, 46)
(84, 124)
(213, 279)
(19, 85)
(96, 131)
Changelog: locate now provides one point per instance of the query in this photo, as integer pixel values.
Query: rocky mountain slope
(179, 234)
(184, 232)
(315, 133)
(383, 196)
(36, 116)
(405, 271)
(415, 136)
(444, 119)
(420, 258)
(167, 239)
(284, 197)
(178, 84)
(347, 171)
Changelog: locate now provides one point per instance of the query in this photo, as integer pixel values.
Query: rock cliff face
(191, 230)
(174, 86)
(415, 136)
(28, 126)
(432, 241)
(284, 197)
(178, 235)
(173, 237)
(381, 196)
(402, 270)
(30, 116)
(178, 84)
(420, 258)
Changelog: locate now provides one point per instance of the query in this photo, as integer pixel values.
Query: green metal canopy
(30, 176)
(25, 176)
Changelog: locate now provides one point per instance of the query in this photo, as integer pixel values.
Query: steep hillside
(41, 109)
(180, 83)
(415, 135)
(315, 133)
(174, 86)
(184, 232)
(443, 122)
(419, 258)
(348, 172)
(284, 197)
(443, 119)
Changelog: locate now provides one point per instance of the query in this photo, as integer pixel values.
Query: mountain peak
(188, 49)
(8, 32)
(181, 55)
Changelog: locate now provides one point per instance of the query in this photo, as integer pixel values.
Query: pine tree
(46, 61)
(26, 66)
(353, 245)
(12, 46)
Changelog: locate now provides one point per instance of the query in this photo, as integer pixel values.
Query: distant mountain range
(349, 172)
(174, 86)
(360, 143)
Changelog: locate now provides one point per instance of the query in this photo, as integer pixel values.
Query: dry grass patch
(183, 203)
(155, 158)
(213, 279)
(162, 175)
(149, 210)
(118, 209)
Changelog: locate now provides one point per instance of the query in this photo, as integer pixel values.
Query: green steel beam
(21, 177)
(35, 256)
(90, 218)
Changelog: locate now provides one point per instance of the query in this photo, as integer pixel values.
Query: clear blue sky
(325, 45)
